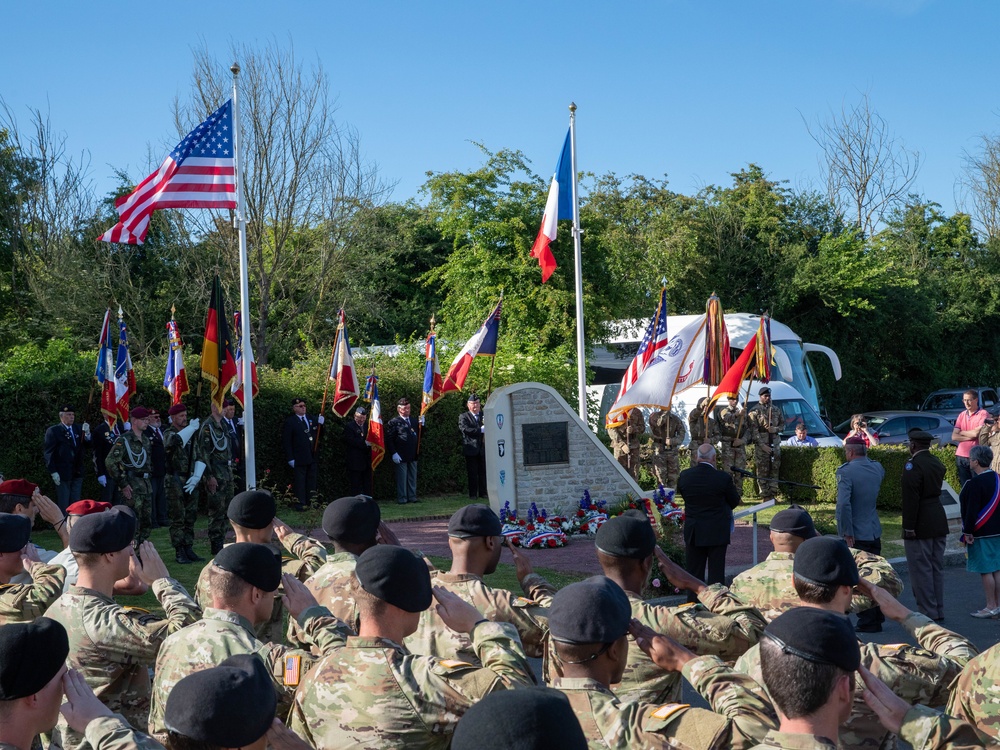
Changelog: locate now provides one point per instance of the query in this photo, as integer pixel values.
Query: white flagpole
(249, 465)
(581, 362)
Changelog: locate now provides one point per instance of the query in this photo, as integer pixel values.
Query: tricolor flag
(124, 373)
(482, 344)
(558, 206)
(433, 385)
(754, 363)
(218, 363)
(653, 341)
(342, 370)
(105, 372)
(175, 379)
(238, 380)
(376, 435)
(199, 173)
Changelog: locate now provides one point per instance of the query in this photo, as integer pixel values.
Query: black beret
(472, 397)
(254, 563)
(794, 520)
(816, 635)
(352, 519)
(474, 520)
(592, 611)
(764, 391)
(827, 561)
(110, 531)
(31, 654)
(535, 718)
(252, 509)
(920, 436)
(214, 705)
(395, 576)
(14, 532)
(626, 535)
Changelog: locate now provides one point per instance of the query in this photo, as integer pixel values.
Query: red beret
(177, 409)
(140, 412)
(86, 507)
(854, 440)
(17, 487)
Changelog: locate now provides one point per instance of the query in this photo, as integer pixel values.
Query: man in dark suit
(236, 432)
(358, 454)
(299, 437)
(104, 437)
(402, 442)
(709, 498)
(158, 456)
(63, 447)
(925, 525)
(470, 424)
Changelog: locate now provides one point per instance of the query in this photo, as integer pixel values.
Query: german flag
(218, 364)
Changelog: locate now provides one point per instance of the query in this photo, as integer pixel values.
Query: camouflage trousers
(182, 509)
(666, 464)
(218, 502)
(733, 456)
(767, 469)
(142, 503)
(629, 460)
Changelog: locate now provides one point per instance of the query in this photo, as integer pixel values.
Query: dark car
(948, 402)
(891, 426)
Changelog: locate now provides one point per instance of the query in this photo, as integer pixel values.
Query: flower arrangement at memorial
(538, 530)
(588, 518)
(671, 514)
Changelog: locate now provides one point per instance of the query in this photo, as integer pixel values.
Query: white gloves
(321, 419)
(483, 429)
(55, 478)
(102, 480)
(396, 459)
(127, 426)
(86, 430)
(421, 420)
(192, 482)
(239, 422)
(292, 463)
(188, 431)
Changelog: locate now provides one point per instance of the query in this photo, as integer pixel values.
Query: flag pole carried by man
(376, 433)
(175, 379)
(342, 374)
(482, 344)
(433, 384)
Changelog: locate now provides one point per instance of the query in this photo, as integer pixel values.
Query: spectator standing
(298, 435)
(859, 428)
(358, 454)
(981, 526)
(858, 483)
(402, 442)
(966, 433)
(63, 447)
(925, 526)
(801, 438)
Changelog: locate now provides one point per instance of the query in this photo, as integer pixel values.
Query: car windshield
(798, 411)
(944, 402)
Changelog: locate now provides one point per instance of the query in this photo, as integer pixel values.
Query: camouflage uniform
(373, 693)
(769, 587)
(700, 432)
(741, 716)
(330, 584)
(212, 448)
(221, 634)
(667, 430)
(130, 464)
(765, 424)
(308, 555)
(625, 440)
(917, 675)
(23, 602)
(114, 733)
(989, 434)
(720, 625)
(974, 697)
(733, 432)
(434, 638)
(113, 647)
(182, 508)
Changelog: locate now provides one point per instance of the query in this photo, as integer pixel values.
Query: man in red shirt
(966, 433)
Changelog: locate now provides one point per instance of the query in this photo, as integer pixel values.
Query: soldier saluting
(130, 465)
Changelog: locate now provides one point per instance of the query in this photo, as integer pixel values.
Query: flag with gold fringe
(218, 363)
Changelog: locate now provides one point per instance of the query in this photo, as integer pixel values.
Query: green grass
(505, 577)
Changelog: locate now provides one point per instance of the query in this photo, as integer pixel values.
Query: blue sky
(694, 89)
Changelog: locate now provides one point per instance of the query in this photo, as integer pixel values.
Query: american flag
(655, 339)
(199, 173)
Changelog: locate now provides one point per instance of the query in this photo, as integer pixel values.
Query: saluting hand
(457, 613)
(522, 565)
(81, 706)
(665, 652)
(297, 597)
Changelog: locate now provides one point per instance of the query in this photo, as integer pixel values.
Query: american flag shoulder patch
(293, 671)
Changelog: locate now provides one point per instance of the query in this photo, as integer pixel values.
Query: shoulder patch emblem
(453, 663)
(891, 646)
(685, 605)
(520, 601)
(137, 610)
(293, 671)
(909, 465)
(669, 709)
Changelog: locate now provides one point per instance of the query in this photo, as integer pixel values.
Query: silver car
(891, 426)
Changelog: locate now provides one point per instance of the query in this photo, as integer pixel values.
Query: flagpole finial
(663, 282)
(173, 311)
(235, 68)
(433, 322)
(120, 311)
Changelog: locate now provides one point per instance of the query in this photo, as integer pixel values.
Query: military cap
(296, 401)
(794, 520)
(626, 535)
(86, 507)
(15, 531)
(229, 401)
(110, 531)
(361, 410)
(352, 519)
(920, 436)
(31, 654)
(177, 409)
(473, 521)
(403, 401)
(66, 409)
(212, 706)
(254, 563)
(534, 718)
(816, 635)
(592, 611)
(472, 397)
(252, 509)
(17, 487)
(154, 413)
(855, 440)
(395, 576)
(140, 412)
(827, 561)
(765, 391)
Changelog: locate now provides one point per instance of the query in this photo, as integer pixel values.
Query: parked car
(891, 426)
(948, 402)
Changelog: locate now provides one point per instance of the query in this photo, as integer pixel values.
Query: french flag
(558, 206)
(482, 344)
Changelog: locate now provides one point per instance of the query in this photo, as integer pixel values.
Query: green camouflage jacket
(976, 695)
(23, 602)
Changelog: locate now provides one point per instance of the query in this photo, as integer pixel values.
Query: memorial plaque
(545, 443)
